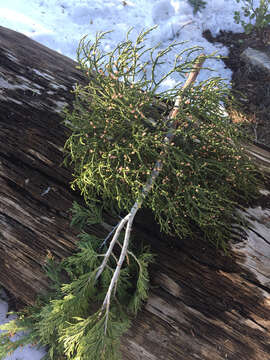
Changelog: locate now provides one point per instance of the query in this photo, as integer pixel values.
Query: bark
(203, 304)
(35, 195)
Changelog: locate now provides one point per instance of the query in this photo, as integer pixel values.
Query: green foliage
(70, 321)
(119, 122)
(258, 17)
(197, 5)
(117, 138)
(82, 216)
(8, 344)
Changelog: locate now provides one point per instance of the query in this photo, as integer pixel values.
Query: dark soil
(252, 83)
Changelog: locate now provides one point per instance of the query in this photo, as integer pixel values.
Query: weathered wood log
(35, 196)
(202, 305)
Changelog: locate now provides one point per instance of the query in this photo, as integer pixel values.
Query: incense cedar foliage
(117, 138)
(119, 123)
(68, 321)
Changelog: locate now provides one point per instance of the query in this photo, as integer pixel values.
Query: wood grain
(203, 304)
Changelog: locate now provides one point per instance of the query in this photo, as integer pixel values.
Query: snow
(60, 24)
(27, 352)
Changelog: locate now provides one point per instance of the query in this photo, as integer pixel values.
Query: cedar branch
(128, 219)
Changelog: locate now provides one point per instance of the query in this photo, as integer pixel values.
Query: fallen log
(203, 304)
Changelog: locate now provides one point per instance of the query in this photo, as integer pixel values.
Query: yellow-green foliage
(115, 141)
(255, 17)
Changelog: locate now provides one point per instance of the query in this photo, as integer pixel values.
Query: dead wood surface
(35, 196)
(203, 304)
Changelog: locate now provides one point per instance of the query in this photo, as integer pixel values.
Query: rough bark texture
(35, 196)
(203, 304)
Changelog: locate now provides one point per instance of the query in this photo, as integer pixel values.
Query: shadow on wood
(203, 305)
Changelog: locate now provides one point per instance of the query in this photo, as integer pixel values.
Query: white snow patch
(162, 11)
(28, 352)
(61, 24)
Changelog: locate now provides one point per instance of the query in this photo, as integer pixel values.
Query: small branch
(128, 219)
(107, 300)
(120, 226)
(109, 235)
(195, 72)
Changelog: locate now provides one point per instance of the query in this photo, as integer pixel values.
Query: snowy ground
(26, 353)
(60, 24)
